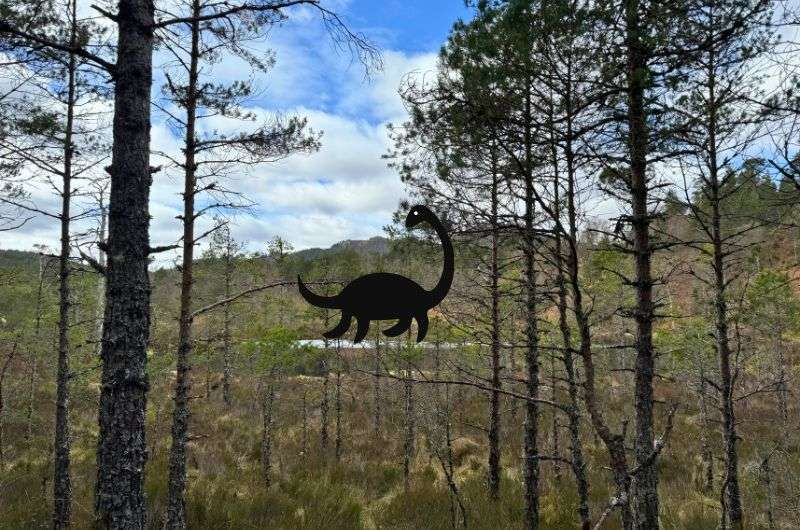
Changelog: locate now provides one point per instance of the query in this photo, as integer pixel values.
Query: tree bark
(176, 501)
(614, 442)
(646, 481)
(377, 388)
(267, 416)
(304, 440)
(494, 399)
(62, 486)
(578, 463)
(408, 441)
(122, 451)
(531, 471)
(733, 503)
(3, 372)
(324, 404)
(338, 407)
(226, 330)
(101, 280)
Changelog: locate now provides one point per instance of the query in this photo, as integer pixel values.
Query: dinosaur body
(387, 296)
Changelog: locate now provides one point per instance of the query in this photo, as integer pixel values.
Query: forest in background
(619, 348)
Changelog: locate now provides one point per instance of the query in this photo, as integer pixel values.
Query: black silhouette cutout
(387, 296)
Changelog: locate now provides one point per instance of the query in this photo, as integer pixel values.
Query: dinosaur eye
(416, 212)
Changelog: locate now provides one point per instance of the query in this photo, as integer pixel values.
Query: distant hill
(374, 245)
(19, 260)
(29, 261)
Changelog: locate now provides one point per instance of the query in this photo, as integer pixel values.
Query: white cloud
(344, 191)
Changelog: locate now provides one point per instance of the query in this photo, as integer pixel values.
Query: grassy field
(365, 488)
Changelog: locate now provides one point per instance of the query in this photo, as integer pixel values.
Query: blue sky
(411, 26)
(344, 191)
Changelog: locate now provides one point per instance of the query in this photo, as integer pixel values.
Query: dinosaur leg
(341, 327)
(363, 328)
(398, 329)
(422, 326)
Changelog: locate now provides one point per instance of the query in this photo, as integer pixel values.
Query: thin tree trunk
(494, 403)
(554, 430)
(567, 357)
(338, 407)
(531, 472)
(408, 442)
(783, 391)
(226, 333)
(733, 503)
(3, 372)
(176, 502)
(267, 415)
(122, 450)
(377, 388)
(62, 486)
(101, 281)
(324, 404)
(304, 441)
(614, 442)
(766, 479)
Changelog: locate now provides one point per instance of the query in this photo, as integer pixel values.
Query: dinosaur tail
(324, 302)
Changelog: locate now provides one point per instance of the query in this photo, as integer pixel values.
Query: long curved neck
(446, 280)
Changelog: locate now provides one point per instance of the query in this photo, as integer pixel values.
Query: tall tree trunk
(338, 407)
(101, 281)
(226, 332)
(62, 487)
(733, 503)
(614, 442)
(122, 451)
(494, 402)
(732, 498)
(646, 481)
(531, 473)
(783, 390)
(176, 501)
(567, 357)
(377, 388)
(324, 404)
(555, 441)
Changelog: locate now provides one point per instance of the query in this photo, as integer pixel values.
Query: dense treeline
(619, 347)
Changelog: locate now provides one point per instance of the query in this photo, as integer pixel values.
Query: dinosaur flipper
(422, 326)
(398, 329)
(363, 328)
(341, 328)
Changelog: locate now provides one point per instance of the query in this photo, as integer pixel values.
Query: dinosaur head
(417, 215)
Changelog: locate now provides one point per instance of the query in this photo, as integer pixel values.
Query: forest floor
(365, 488)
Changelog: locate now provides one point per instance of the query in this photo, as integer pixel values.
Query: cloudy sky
(343, 191)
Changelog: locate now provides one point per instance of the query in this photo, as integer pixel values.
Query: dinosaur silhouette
(387, 296)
